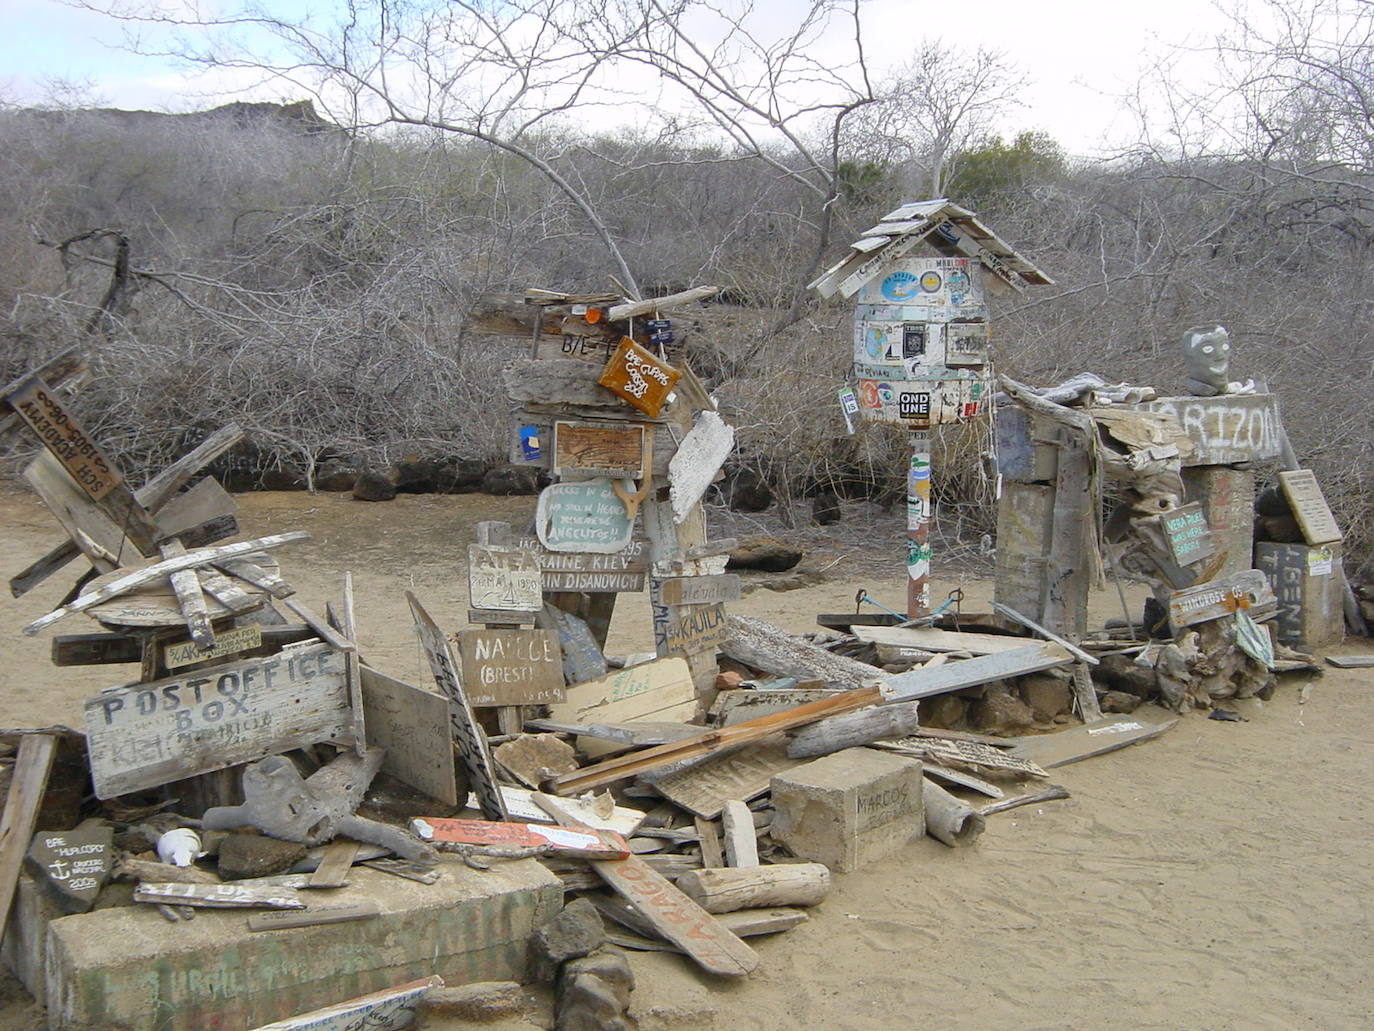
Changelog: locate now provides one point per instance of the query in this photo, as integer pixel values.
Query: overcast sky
(1080, 55)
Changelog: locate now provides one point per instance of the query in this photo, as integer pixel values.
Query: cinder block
(849, 808)
(129, 968)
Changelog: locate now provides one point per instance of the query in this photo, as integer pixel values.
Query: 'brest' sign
(150, 734)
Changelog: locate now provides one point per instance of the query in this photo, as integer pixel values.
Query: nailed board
(658, 690)
(969, 753)
(1091, 739)
(511, 667)
(414, 727)
(472, 742)
(612, 572)
(932, 640)
(690, 629)
(704, 787)
(150, 734)
(532, 439)
(1225, 430)
(604, 448)
(1309, 507)
(1215, 599)
(587, 516)
(154, 604)
(701, 590)
(924, 683)
(1187, 534)
(227, 642)
(387, 1010)
(637, 377)
(699, 457)
(504, 578)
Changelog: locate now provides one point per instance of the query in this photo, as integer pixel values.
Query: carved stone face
(1207, 351)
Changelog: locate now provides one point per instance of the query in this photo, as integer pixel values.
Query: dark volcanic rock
(825, 508)
(252, 855)
(373, 486)
(510, 480)
(574, 932)
(766, 553)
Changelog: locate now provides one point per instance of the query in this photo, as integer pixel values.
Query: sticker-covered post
(918, 513)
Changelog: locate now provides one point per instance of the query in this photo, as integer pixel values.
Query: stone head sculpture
(1207, 355)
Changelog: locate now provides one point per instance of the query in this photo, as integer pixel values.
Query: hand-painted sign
(74, 865)
(1309, 506)
(511, 667)
(1186, 531)
(227, 642)
(504, 578)
(586, 516)
(534, 838)
(701, 590)
(849, 405)
(622, 570)
(690, 629)
(149, 734)
(608, 449)
(1225, 430)
(39, 407)
(638, 378)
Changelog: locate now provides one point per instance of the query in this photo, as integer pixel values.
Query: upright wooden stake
(918, 519)
(31, 769)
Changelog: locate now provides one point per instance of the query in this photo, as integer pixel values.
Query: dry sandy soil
(1219, 878)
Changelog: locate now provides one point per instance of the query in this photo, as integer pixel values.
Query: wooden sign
(39, 407)
(606, 573)
(699, 457)
(1309, 507)
(281, 919)
(504, 578)
(150, 734)
(588, 811)
(511, 667)
(1225, 430)
(387, 1010)
(704, 787)
(1187, 534)
(1220, 597)
(414, 727)
(585, 516)
(607, 449)
(638, 378)
(227, 642)
(544, 840)
(217, 896)
(731, 707)
(472, 742)
(73, 865)
(701, 590)
(579, 347)
(658, 690)
(690, 629)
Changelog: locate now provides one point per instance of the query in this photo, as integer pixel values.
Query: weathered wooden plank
(559, 382)
(1227, 496)
(853, 729)
(969, 753)
(511, 667)
(701, 590)
(771, 650)
(725, 889)
(147, 605)
(740, 704)
(638, 734)
(741, 844)
(32, 765)
(1025, 528)
(658, 690)
(252, 572)
(359, 909)
(176, 654)
(673, 915)
(148, 574)
(1069, 565)
(962, 779)
(413, 726)
(387, 1010)
(932, 640)
(186, 586)
(504, 578)
(472, 742)
(1309, 506)
(704, 787)
(339, 856)
(1030, 624)
(597, 813)
(106, 648)
(150, 734)
(522, 838)
(1218, 598)
(352, 667)
(90, 529)
(1225, 430)
(1108, 734)
(669, 302)
(227, 593)
(925, 683)
(55, 371)
(216, 896)
(708, 834)
(699, 457)
(688, 630)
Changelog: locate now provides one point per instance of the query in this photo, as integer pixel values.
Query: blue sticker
(529, 443)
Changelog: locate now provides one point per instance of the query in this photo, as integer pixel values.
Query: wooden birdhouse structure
(921, 336)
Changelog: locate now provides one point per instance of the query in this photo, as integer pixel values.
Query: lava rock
(825, 508)
(373, 486)
(1047, 695)
(999, 711)
(573, 933)
(746, 491)
(414, 475)
(459, 476)
(510, 480)
(943, 712)
(335, 477)
(1118, 701)
(253, 855)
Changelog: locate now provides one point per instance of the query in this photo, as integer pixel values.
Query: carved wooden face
(1207, 351)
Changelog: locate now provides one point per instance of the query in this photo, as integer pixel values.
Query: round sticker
(931, 281)
(899, 286)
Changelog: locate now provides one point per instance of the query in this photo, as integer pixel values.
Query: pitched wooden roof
(947, 228)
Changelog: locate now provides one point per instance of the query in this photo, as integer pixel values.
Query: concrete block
(129, 968)
(1307, 580)
(849, 808)
(1227, 496)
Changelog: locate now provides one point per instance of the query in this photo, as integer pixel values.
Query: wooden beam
(30, 780)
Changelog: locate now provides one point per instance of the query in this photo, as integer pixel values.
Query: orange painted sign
(639, 378)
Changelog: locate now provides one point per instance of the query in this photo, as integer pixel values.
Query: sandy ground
(1219, 878)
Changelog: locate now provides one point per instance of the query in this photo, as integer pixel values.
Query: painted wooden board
(1309, 506)
(227, 642)
(968, 753)
(579, 844)
(699, 457)
(586, 516)
(32, 765)
(1225, 430)
(387, 1010)
(607, 573)
(217, 896)
(932, 640)
(582, 658)
(658, 690)
(511, 667)
(603, 448)
(471, 741)
(623, 820)
(91, 530)
(1108, 734)
(673, 915)
(704, 787)
(926, 682)
(361, 909)
(741, 704)
(690, 629)
(56, 371)
(532, 439)
(64, 438)
(1187, 534)
(1217, 598)
(504, 578)
(702, 590)
(154, 733)
(637, 377)
(414, 727)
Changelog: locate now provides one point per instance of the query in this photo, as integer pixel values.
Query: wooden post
(918, 519)
(31, 769)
